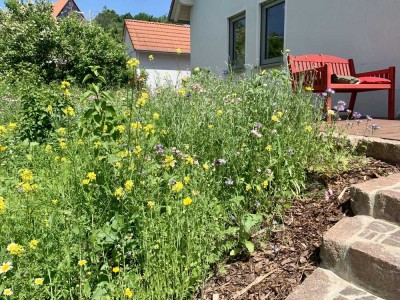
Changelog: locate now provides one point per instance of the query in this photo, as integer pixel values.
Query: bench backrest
(340, 66)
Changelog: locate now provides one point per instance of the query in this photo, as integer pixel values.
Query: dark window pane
(275, 27)
(239, 40)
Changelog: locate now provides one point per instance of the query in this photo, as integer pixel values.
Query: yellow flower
(97, 144)
(3, 130)
(189, 160)
(116, 270)
(7, 292)
(5, 267)
(265, 184)
(39, 281)
(63, 159)
(2, 205)
(82, 263)
(80, 142)
(121, 128)
(61, 131)
(33, 243)
(187, 201)
(69, 111)
(12, 126)
(268, 148)
(274, 118)
(331, 112)
(119, 192)
(56, 158)
(156, 116)
(248, 187)
(128, 293)
(186, 179)
(150, 204)
(63, 145)
(308, 88)
(206, 167)
(55, 201)
(48, 148)
(210, 126)
(91, 176)
(142, 99)
(184, 80)
(117, 165)
(196, 70)
(132, 63)
(280, 114)
(179, 51)
(65, 85)
(26, 175)
(177, 187)
(137, 150)
(169, 162)
(85, 181)
(308, 128)
(49, 108)
(88, 273)
(15, 249)
(182, 92)
(151, 57)
(219, 112)
(3, 148)
(128, 185)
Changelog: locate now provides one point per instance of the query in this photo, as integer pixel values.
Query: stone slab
(387, 205)
(326, 285)
(365, 251)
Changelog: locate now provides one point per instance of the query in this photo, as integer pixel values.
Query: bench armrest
(376, 73)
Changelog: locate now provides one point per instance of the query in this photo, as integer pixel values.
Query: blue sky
(152, 7)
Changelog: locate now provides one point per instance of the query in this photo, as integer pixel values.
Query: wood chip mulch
(289, 253)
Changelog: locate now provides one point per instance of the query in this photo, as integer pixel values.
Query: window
(272, 32)
(237, 41)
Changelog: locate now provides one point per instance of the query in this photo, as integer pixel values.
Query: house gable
(63, 8)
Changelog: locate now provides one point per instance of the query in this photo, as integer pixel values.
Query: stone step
(379, 198)
(366, 252)
(326, 285)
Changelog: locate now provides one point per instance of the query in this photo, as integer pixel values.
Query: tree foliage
(31, 40)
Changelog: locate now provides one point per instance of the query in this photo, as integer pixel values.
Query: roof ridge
(160, 23)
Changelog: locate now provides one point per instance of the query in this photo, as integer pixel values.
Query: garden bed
(291, 253)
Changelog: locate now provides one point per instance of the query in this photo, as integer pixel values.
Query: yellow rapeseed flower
(265, 184)
(5, 267)
(63, 159)
(3, 130)
(91, 176)
(54, 201)
(151, 57)
(69, 111)
(85, 181)
(49, 108)
(136, 125)
(189, 160)
(177, 187)
(169, 162)
(26, 175)
(219, 112)
(61, 131)
(187, 201)
(150, 204)
(308, 88)
(82, 262)
(119, 192)
(3, 148)
(206, 167)
(117, 165)
(179, 51)
(196, 70)
(7, 292)
(128, 185)
(128, 293)
(268, 148)
(2, 205)
(116, 270)
(121, 128)
(280, 114)
(63, 145)
(182, 92)
(15, 249)
(48, 148)
(331, 112)
(39, 281)
(248, 187)
(308, 128)
(137, 150)
(156, 116)
(184, 80)
(186, 179)
(33, 243)
(65, 85)
(132, 63)
(274, 118)
(12, 126)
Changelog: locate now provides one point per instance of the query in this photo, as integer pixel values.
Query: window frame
(232, 20)
(263, 31)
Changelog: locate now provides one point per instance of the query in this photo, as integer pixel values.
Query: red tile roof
(58, 7)
(158, 37)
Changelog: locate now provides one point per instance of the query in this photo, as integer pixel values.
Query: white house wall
(365, 30)
(165, 69)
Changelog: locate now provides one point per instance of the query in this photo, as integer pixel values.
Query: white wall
(165, 69)
(366, 30)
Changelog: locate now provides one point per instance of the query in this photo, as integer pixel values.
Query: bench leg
(391, 103)
(352, 102)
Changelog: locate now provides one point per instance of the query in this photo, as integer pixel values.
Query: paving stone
(323, 284)
(387, 205)
(371, 263)
(363, 195)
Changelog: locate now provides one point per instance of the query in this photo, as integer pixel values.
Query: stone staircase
(361, 255)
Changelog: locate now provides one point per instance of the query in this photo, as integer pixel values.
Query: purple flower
(275, 248)
(341, 106)
(188, 95)
(159, 148)
(290, 151)
(257, 125)
(220, 161)
(233, 218)
(324, 94)
(369, 118)
(225, 72)
(356, 115)
(172, 182)
(140, 120)
(373, 127)
(256, 133)
(257, 203)
(330, 91)
(350, 124)
(229, 181)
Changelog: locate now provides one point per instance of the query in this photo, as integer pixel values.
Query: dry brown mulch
(290, 253)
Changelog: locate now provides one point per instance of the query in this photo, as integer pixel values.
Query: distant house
(62, 8)
(245, 34)
(163, 42)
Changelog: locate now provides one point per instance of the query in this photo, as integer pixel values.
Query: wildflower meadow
(133, 193)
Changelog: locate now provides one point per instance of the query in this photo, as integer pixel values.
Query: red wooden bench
(321, 68)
